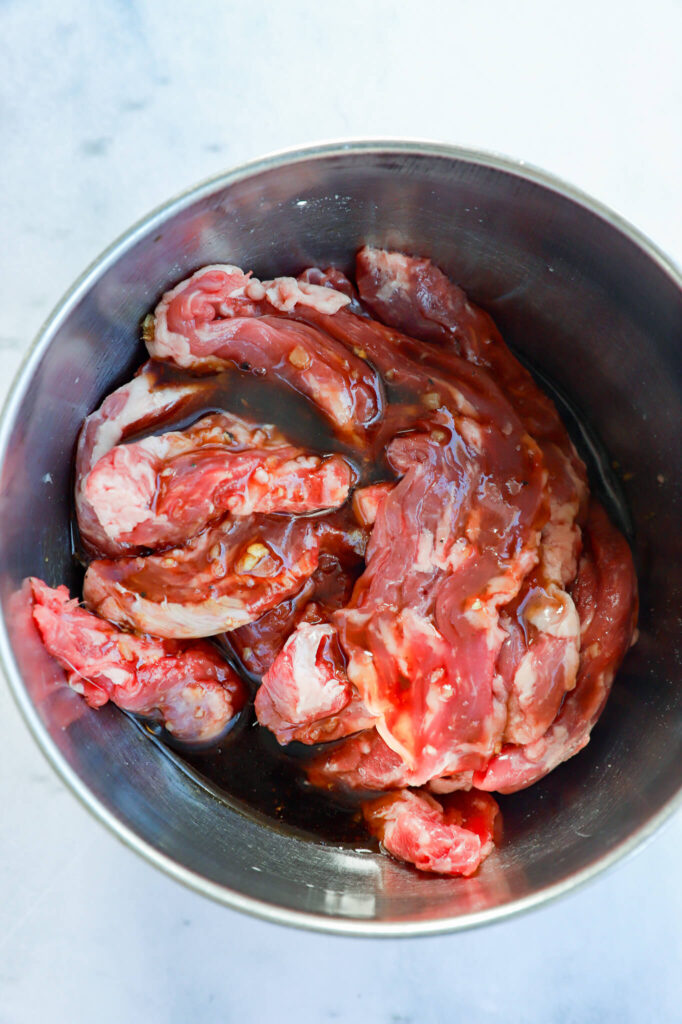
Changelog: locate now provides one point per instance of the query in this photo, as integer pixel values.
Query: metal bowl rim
(192, 880)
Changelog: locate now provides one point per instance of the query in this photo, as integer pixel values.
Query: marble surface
(108, 109)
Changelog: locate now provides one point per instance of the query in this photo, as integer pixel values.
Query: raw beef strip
(352, 719)
(538, 664)
(606, 603)
(413, 295)
(605, 595)
(416, 297)
(540, 655)
(365, 762)
(451, 543)
(449, 837)
(226, 576)
(420, 376)
(187, 686)
(305, 695)
(219, 316)
(164, 489)
(306, 682)
(138, 405)
(442, 378)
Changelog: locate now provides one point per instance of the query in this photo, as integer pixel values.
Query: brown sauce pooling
(249, 771)
(266, 401)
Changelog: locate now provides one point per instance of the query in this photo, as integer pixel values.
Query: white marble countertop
(106, 110)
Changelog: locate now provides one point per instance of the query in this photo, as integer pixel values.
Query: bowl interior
(577, 296)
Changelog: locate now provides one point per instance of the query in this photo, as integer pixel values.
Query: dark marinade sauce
(247, 769)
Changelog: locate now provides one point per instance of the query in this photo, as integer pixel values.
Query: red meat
(450, 545)
(362, 762)
(162, 490)
(366, 502)
(226, 576)
(219, 316)
(258, 643)
(138, 405)
(538, 660)
(605, 595)
(449, 837)
(305, 695)
(187, 686)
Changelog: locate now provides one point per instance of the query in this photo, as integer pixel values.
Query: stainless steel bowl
(587, 299)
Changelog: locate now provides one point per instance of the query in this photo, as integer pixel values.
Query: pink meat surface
(538, 659)
(451, 543)
(424, 377)
(448, 837)
(605, 595)
(226, 576)
(414, 296)
(187, 686)
(305, 695)
(258, 643)
(162, 490)
(306, 682)
(538, 664)
(605, 600)
(483, 417)
(221, 316)
(138, 405)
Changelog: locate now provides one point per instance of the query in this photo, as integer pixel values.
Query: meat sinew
(432, 588)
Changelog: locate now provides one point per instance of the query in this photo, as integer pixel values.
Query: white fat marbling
(106, 110)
